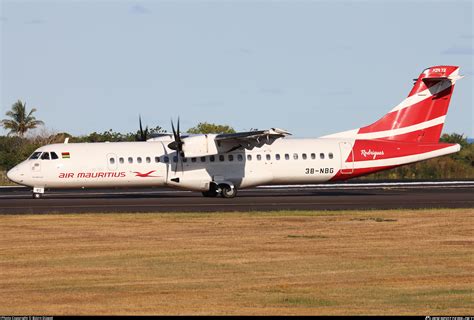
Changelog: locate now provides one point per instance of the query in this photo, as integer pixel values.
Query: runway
(348, 196)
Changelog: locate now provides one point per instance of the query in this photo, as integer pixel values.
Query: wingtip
(281, 131)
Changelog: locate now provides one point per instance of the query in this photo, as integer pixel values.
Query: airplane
(220, 164)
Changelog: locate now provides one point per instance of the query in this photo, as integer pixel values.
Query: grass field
(305, 263)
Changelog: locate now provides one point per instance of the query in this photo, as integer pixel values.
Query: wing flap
(250, 139)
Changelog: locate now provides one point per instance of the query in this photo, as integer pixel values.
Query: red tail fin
(420, 117)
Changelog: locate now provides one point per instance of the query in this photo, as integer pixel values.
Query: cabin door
(175, 167)
(347, 157)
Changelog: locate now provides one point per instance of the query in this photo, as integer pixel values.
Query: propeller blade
(178, 150)
(172, 128)
(177, 145)
(143, 134)
(178, 131)
(174, 144)
(140, 123)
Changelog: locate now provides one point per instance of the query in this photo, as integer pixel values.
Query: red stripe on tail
(436, 85)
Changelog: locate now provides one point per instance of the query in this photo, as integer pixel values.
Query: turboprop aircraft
(220, 164)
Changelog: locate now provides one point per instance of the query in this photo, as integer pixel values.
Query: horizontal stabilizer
(434, 80)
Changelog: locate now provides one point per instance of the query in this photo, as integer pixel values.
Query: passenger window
(313, 156)
(45, 156)
(331, 155)
(203, 159)
(157, 159)
(148, 159)
(287, 156)
(121, 160)
(321, 155)
(221, 157)
(175, 159)
(193, 159)
(35, 155)
(295, 156)
(249, 157)
(166, 159)
(259, 157)
(304, 156)
(139, 160)
(112, 161)
(184, 159)
(240, 157)
(54, 156)
(231, 157)
(277, 156)
(269, 157)
(130, 160)
(212, 158)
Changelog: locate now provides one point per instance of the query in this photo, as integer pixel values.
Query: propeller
(143, 134)
(177, 144)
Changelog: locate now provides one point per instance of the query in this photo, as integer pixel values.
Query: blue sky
(311, 67)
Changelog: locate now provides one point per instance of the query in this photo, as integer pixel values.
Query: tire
(227, 191)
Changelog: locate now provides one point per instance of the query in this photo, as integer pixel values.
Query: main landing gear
(226, 190)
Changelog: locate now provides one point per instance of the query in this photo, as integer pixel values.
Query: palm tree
(20, 121)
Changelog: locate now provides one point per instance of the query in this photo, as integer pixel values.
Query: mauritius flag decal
(65, 155)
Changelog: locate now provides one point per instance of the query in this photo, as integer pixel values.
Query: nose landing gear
(38, 193)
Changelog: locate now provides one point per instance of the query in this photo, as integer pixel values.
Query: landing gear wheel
(227, 191)
(37, 195)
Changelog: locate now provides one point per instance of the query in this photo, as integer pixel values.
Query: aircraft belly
(256, 175)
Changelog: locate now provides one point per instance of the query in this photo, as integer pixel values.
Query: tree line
(17, 146)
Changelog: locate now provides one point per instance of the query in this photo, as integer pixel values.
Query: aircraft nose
(13, 174)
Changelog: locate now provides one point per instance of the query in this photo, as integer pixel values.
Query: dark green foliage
(14, 150)
(109, 135)
(454, 138)
(205, 127)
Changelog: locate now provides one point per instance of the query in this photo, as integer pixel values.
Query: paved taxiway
(316, 197)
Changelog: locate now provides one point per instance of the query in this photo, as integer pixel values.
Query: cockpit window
(35, 155)
(54, 156)
(45, 156)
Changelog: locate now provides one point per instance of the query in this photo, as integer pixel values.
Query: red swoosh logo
(145, 175)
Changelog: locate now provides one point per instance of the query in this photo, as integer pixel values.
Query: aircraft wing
(250, 139)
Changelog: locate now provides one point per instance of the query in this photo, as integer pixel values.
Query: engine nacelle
(199, 146)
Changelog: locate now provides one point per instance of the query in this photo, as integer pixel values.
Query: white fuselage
(133, 164)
